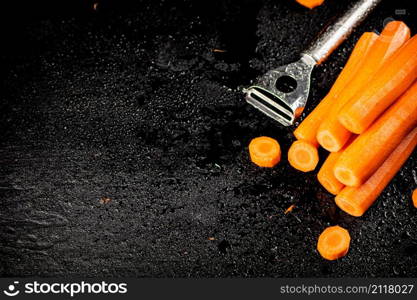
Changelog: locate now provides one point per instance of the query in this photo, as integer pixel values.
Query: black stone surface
(124, 145)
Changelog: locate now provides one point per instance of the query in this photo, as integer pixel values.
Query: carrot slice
(326, 175)
(333, 243)
(265, 151)
(331, 134)
(415, 198)
(356, 201)
(310, 3)
(303, 156)
(367, 153)
(393, 79)
(307, 130)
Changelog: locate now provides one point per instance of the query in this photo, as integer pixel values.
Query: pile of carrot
(367, 121)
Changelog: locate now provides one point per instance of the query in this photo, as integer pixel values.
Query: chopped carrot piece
(393, 79)
(415, 198)
(303, 156)
(355, 201)
(307, 130)
(326, 175)
(265, 151)
(333, 243)
(310, 3)
(367, 153)
(331, 134)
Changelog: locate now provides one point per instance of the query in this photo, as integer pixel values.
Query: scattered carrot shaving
(289, 209)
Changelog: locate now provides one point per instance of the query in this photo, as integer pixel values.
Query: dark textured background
(124, 140)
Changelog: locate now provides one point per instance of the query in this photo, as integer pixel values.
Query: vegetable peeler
(282, 93)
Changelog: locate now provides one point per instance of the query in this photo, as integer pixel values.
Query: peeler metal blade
(282, 93)
(283, 105)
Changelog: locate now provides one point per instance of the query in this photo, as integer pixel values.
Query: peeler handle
(335, 34)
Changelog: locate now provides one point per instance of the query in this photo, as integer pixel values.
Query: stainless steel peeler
(282, 92)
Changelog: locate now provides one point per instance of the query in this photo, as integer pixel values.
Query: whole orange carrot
(355, 201)
(366, 154)
(307, 130)
(331, 134)
(393, 79)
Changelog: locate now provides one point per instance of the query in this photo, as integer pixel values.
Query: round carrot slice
(333, 243)
(265, 151)
(303, 156)
(415, 198)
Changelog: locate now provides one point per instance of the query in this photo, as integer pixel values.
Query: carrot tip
(265, 152)
(333, 243)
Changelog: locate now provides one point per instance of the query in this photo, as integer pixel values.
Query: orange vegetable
(307, 130)
(265, 151)
(333, 243)
(303, 156)
(326, 175)
(331, 134)
(310, 3)
(355, 201)
(393, 79)
(367, 153)
(415, 198)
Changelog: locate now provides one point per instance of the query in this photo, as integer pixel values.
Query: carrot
(310, 3)
(331, 134)
(355, 201)
(265, 151)
(393, 79)
(414, 196)
(307, 130)
(303, 156)
(326, 176)
(366, 154)
(333, 243)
